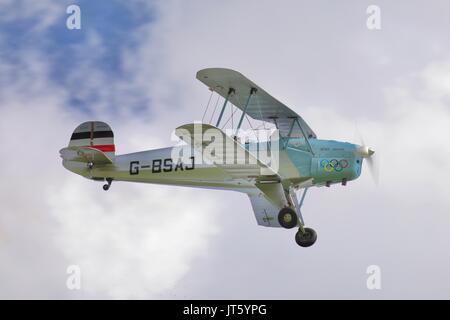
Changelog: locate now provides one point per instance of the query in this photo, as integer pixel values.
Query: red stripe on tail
(103, 147)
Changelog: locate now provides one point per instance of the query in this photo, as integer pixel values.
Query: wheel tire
(105, 187)
(287, 218)
(306, 239)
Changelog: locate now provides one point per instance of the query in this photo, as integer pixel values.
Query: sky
(133, 64)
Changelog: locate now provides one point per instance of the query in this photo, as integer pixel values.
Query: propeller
(371, 157)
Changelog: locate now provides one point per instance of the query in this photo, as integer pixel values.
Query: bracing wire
(230, 118)
(246, 117)
(215, 107)
(260, 113)
(207, 106)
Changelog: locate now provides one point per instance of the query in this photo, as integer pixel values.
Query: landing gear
(108, 185)
(287, 218)
(306, 237)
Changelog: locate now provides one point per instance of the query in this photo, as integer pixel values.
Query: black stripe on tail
(96, 134)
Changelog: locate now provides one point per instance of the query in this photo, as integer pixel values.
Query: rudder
(94, 134)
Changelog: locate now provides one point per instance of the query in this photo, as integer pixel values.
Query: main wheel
(287, 218)
(306, 238)
(106, 187)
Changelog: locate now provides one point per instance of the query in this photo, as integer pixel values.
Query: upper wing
(85, 154)
(262, 105)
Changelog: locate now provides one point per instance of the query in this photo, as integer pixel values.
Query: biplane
(275, 172)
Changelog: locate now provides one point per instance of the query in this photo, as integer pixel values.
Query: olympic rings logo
(333, 165)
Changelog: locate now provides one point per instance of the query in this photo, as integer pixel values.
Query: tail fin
(94, 134)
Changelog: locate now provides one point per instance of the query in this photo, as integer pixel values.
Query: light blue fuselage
(329, 162)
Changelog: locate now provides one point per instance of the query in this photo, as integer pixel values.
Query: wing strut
(289, 135)
(252, 91)
(295, 121)
(230, 92)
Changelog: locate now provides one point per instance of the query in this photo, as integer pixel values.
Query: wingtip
(205, 73)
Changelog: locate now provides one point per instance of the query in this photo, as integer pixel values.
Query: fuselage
(330, 162)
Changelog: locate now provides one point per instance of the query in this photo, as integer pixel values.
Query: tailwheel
(305, 237)
(287, 218)
(108, 184)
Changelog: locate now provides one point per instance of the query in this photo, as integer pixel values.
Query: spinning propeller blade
(371, 157)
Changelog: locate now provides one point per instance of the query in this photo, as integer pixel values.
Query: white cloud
(135, 241)
(132, 242)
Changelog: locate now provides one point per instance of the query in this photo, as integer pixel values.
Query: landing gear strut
(108, 185)
(305, 237)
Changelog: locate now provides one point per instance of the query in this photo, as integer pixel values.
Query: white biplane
(270, 172)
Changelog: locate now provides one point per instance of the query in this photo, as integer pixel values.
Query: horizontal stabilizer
(85, 154)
